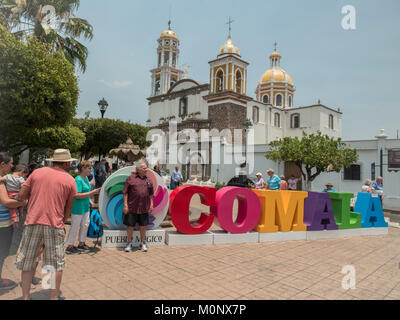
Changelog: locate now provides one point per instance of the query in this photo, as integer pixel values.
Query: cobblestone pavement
(280, 270)
(285, 270)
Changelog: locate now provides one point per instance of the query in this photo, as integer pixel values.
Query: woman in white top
(260, 184)
(292, 182)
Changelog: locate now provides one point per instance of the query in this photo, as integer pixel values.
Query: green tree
(52, 22)
(102, 135)
(313, 154)
(38, 95)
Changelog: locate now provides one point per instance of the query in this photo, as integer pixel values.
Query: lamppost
(103, 104)
(247, 124)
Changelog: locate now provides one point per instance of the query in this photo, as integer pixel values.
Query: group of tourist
(53, 196)
(274, 182)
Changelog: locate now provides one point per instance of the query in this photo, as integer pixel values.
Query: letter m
(281, 211)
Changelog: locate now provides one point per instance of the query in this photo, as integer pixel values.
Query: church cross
(230, 21)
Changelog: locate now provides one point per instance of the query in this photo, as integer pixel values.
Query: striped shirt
(5, 219)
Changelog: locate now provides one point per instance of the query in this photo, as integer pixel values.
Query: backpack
(95, 229)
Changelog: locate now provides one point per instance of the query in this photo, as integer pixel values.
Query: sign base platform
(223, 237)
(118, 238)
(174, 238)
(282, 236)
(334, 234)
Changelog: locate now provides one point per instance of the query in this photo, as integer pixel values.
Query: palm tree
(51, 21)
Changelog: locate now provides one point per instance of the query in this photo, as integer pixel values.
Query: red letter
(179, 208)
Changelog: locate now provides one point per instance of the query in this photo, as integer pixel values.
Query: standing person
(367, 187)
(273, 180)
(329, 188)
(7, 225)
(260, 183)
(378, 187)
(157, 169)
(138, 204)
(13, 183)
(292, 182)
(51, 192)
(284, 184)
(80, 217)
(176, 178)
(100, 173)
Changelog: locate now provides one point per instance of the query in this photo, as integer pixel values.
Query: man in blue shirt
(176, 178)
(273, 180)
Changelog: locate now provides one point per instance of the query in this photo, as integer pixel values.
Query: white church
(223, 104)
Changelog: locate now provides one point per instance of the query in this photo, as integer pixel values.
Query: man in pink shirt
(51, 192)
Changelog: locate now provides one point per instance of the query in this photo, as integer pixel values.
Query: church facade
(224, 106)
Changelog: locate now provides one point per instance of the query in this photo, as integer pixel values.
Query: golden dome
(276, 75)
(169, 33)
(275, 54)
(229, 47)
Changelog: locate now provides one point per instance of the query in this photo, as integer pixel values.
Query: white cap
(259, 174)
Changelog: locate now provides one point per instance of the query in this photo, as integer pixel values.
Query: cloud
(115, 84)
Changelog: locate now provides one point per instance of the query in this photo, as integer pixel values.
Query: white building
(223, 104)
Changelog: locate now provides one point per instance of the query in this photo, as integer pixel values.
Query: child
(14, 182)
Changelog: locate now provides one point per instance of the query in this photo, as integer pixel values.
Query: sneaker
(83, 248)
(7, 284)
(72, 250)
(128, 248)
(144, 247)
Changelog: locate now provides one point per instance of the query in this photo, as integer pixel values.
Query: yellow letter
(281, 211)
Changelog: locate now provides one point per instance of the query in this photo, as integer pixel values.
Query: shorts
(130, 219)
(36, 237)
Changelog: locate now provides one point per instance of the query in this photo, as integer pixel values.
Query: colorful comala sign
(267, 211)
(263, 211)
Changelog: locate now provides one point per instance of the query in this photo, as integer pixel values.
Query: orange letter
(281, 211)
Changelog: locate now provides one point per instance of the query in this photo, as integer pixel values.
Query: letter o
(249, 209)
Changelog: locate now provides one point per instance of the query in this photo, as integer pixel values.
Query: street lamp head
(247, 124)
(103, 104)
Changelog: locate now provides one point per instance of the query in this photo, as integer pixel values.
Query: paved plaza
(280, 270)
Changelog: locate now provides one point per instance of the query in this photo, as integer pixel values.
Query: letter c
(179, 208)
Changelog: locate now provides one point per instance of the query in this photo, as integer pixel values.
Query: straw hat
(61, 155)
(270, 170)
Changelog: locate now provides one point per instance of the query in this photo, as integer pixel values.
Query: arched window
(159, 59)
(256, 114)
(265, 98)
(295, 121)
(157, 87)
(166, 57)
(290, 101)
(220, 81)
(277, 120)
(174, 59)
(238, 82)
(183, 109)
(279, 100)
(330, 121)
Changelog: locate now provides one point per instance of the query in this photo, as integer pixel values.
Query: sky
(354, 70)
